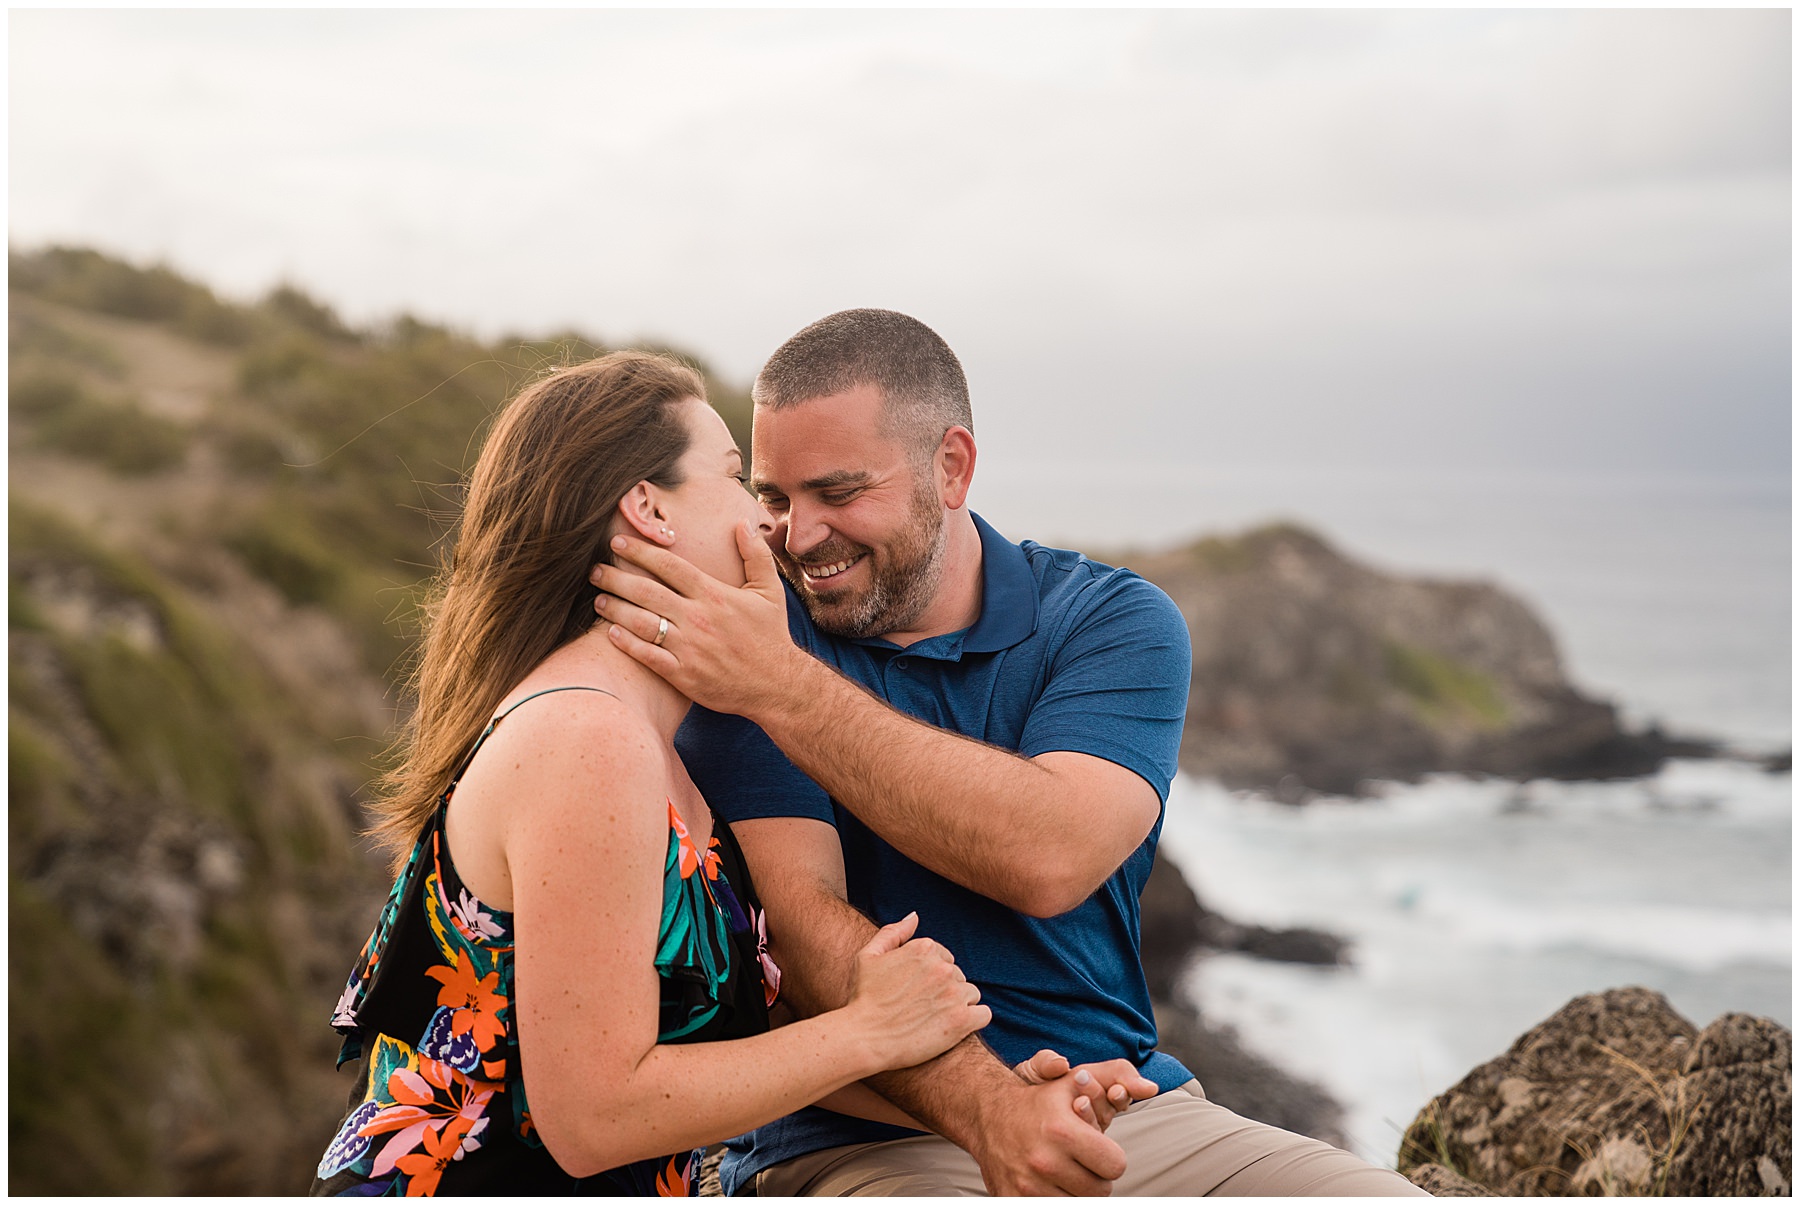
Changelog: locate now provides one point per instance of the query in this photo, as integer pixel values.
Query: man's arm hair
(814, 934)
(1026, 1139)
(1038, 831)
(1036, 834)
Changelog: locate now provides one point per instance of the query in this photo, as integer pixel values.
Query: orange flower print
(672, 1181)
(425, 1167)
(474, 1003)
(429, 1101)
(690, 859)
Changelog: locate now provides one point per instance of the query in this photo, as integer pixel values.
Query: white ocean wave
(1695, 939)
(1477, 908)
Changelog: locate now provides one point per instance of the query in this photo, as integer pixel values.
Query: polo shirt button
(901, 663)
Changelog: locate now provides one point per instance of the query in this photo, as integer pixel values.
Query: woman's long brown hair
(538, 516)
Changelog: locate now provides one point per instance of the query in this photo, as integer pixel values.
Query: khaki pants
(1176, 1144)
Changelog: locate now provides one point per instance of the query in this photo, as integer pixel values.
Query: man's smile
(819, 573)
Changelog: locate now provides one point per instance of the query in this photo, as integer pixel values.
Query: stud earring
(668, 534)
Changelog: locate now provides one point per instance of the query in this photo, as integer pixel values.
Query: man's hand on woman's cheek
(722, 646)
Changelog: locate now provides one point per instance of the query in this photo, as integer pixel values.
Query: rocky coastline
(1616, 1094)
(1314, 673)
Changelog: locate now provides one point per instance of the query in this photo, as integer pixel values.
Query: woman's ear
(643, 513)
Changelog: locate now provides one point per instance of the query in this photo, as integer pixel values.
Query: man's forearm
(1027, 1139)
(818, 958)
(983, 817)
(947, 1093)
(1023, 1140)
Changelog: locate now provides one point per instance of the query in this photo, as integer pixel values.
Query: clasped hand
(1101, 1090)
(1046, 1139)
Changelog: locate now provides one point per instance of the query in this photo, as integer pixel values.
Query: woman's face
(705, 509)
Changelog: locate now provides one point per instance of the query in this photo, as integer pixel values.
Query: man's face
(859, 525)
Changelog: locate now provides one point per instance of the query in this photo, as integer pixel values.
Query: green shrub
(213, 321)
(1442, 688)
(252, 450)
(89, 280)
(266, 370)
(44, 394)
(31, 335)
(172, 740)
(280, 546)
(83, 1059)
(22, 615)
(40, 784)
(121, 435)
(289, 305)
(39, 536)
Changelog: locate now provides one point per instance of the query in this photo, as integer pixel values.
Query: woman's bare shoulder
(572, 747)
(583, 727)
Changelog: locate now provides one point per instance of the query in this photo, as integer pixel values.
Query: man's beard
(903, 577)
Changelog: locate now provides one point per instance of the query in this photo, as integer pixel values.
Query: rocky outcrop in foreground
(1313, 672)
(1617, 1094)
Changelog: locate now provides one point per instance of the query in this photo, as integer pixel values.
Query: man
(987, 732)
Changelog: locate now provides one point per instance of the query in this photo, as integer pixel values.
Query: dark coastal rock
(1738, 1080)
(1176, 925)
(1172, 925)
(1440, 1181)
(1314, 947)
(1314, 673)
(1176, 929)
(1246, 1083)
(1619, 1094)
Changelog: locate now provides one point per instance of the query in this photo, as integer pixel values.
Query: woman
(577, 1000)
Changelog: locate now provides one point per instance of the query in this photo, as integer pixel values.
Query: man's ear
(642, 511)
(955, 464)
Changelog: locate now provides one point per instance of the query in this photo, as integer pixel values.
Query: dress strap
(495, 723)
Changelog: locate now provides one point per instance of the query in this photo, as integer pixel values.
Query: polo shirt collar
(1009, 595)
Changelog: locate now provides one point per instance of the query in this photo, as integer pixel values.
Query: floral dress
(440, 1104)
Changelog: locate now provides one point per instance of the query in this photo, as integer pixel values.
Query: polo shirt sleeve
(1118, 681)
(742, 774)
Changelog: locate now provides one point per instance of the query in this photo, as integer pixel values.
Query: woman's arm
(585, 847)
(860, 1100)
(852, 1100)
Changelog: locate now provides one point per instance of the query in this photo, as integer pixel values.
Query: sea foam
(1477, 908)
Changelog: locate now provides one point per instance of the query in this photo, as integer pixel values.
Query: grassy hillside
(220, 519)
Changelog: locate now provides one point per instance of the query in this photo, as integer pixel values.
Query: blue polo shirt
(1067, 654)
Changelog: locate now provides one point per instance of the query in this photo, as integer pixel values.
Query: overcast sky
(1511, 240)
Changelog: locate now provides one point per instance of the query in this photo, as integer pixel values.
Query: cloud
(1331, 234)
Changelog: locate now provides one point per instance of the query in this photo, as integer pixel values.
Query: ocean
(1477, 908)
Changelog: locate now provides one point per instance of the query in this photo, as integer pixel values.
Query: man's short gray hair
(920, 378)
